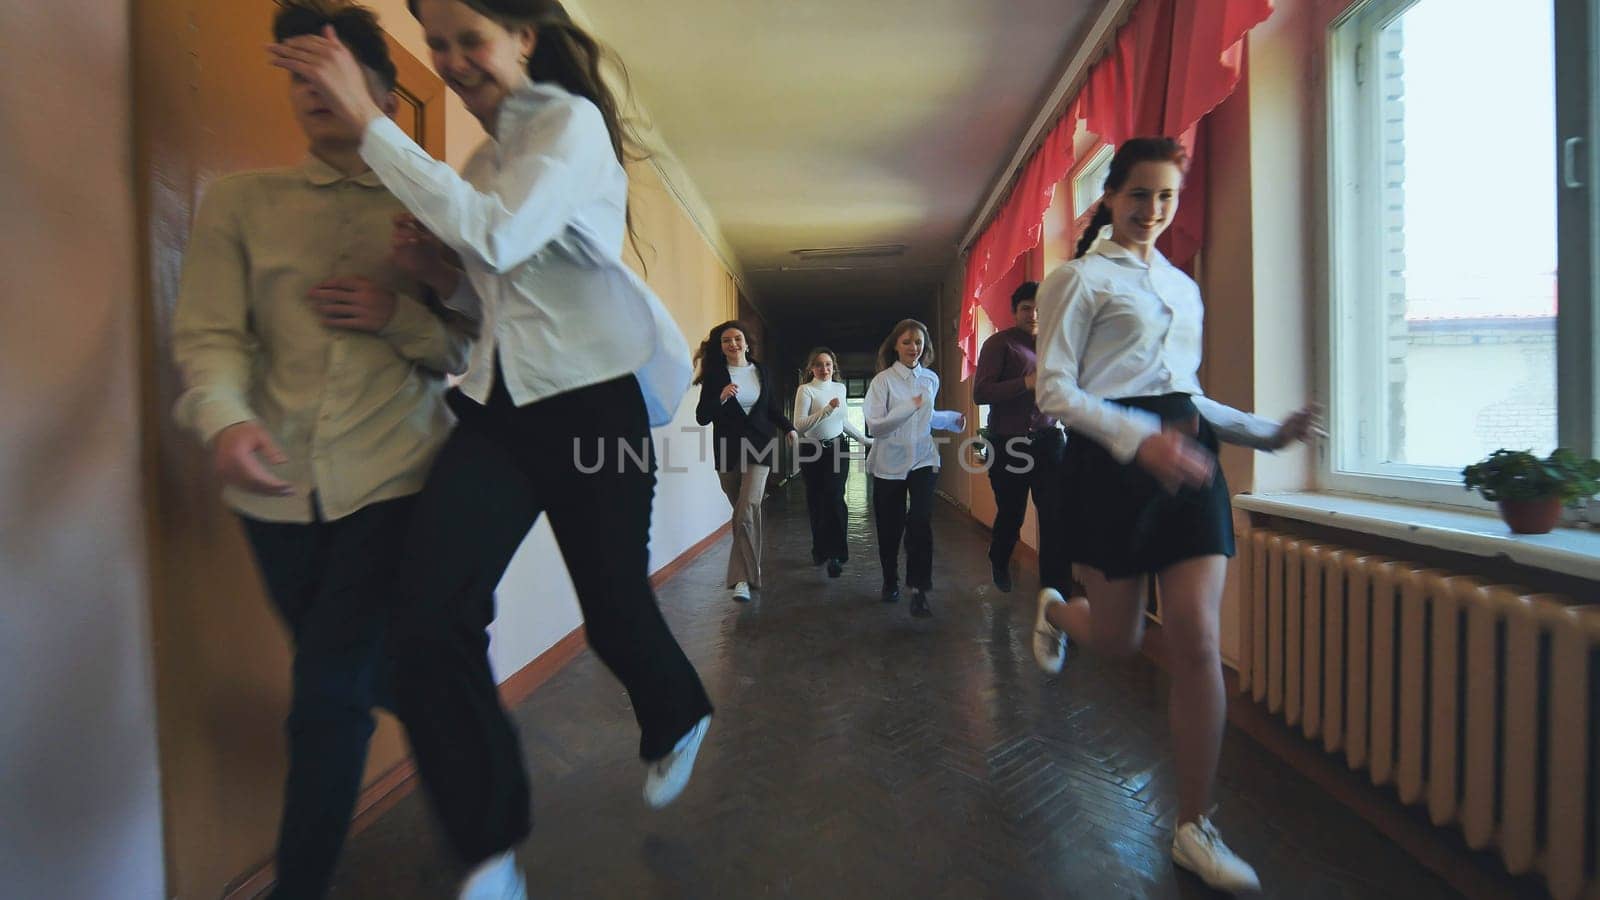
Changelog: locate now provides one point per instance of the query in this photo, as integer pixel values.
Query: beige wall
(1259, 272)
(78, 782)
(970, 490)
(1283, 87)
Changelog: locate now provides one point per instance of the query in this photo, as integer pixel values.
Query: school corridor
(860, 753)
(954, 225)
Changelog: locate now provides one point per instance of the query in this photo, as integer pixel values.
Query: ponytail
(1101, 218)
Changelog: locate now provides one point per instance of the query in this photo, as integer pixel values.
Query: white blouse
(815, 421)
(749, 381)
(538, 215)
(902, 432)
(1113, 326)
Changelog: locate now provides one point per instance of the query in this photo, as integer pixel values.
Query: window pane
(1091, 182)
(1466, 98)
(855, 409)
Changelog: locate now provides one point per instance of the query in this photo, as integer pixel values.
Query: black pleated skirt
(1120, 520)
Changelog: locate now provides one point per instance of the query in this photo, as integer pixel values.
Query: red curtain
(1015, 231)
(1168, 66)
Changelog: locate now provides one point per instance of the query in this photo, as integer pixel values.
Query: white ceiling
(827, 123)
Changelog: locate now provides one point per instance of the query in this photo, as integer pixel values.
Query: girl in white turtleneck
(821, 421)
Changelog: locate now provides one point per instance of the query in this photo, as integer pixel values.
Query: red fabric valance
(1169, 65)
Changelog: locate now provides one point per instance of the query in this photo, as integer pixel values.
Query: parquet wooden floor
(860, 753)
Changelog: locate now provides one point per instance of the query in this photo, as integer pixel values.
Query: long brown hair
(1132, 152)
(888, 354)
(567, 55)
(708, 356)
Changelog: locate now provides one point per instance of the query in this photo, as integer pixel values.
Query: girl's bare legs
(1197, 704)
(1110, 621)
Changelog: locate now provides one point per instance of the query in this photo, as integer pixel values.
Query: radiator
(1474, 699)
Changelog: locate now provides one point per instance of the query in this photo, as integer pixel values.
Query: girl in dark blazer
(740, 403)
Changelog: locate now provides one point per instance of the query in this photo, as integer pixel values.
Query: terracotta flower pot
(1531, 516)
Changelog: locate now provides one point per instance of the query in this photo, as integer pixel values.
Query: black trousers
(889, 505)
(825, 465)
(330, 582)
(1020, 464)
(585, 458)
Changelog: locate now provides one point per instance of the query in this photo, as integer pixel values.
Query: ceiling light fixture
(873, 251)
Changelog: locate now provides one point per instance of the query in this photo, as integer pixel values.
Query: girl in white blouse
(576, 361)
(904, 459)
(1119, 349)
(822, 421)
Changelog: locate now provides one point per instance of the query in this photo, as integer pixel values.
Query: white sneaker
(496, 878)
(666, 778)
(1197, 847)
(1049, 642)
(741, 592)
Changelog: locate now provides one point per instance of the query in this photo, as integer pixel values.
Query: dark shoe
(1002, 577)
(891, 593)
(919, 604)
(835, 568)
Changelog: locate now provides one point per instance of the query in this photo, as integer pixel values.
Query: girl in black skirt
(1119, 349)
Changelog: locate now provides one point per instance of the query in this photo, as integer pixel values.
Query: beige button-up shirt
(359, 415)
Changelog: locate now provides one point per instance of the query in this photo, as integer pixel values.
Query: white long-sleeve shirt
(538, 215)
(1113, 326)
(815, 421)
(902, 431)
(749, 381)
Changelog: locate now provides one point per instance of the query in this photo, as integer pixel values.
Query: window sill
(1569, 550)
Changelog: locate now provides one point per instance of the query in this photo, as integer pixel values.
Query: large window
(1445, 248)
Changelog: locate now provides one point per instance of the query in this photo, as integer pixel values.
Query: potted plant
(1530, 490)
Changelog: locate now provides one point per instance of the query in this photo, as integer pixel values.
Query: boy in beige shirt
(314, 371)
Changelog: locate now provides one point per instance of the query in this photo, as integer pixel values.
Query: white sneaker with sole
(496, 878)
(741, 592)
(1049, 642)
(666, 778)
(1197, 847)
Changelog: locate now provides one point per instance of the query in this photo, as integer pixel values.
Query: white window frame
(1098, 160)
(1354, 267)
(984, 328)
